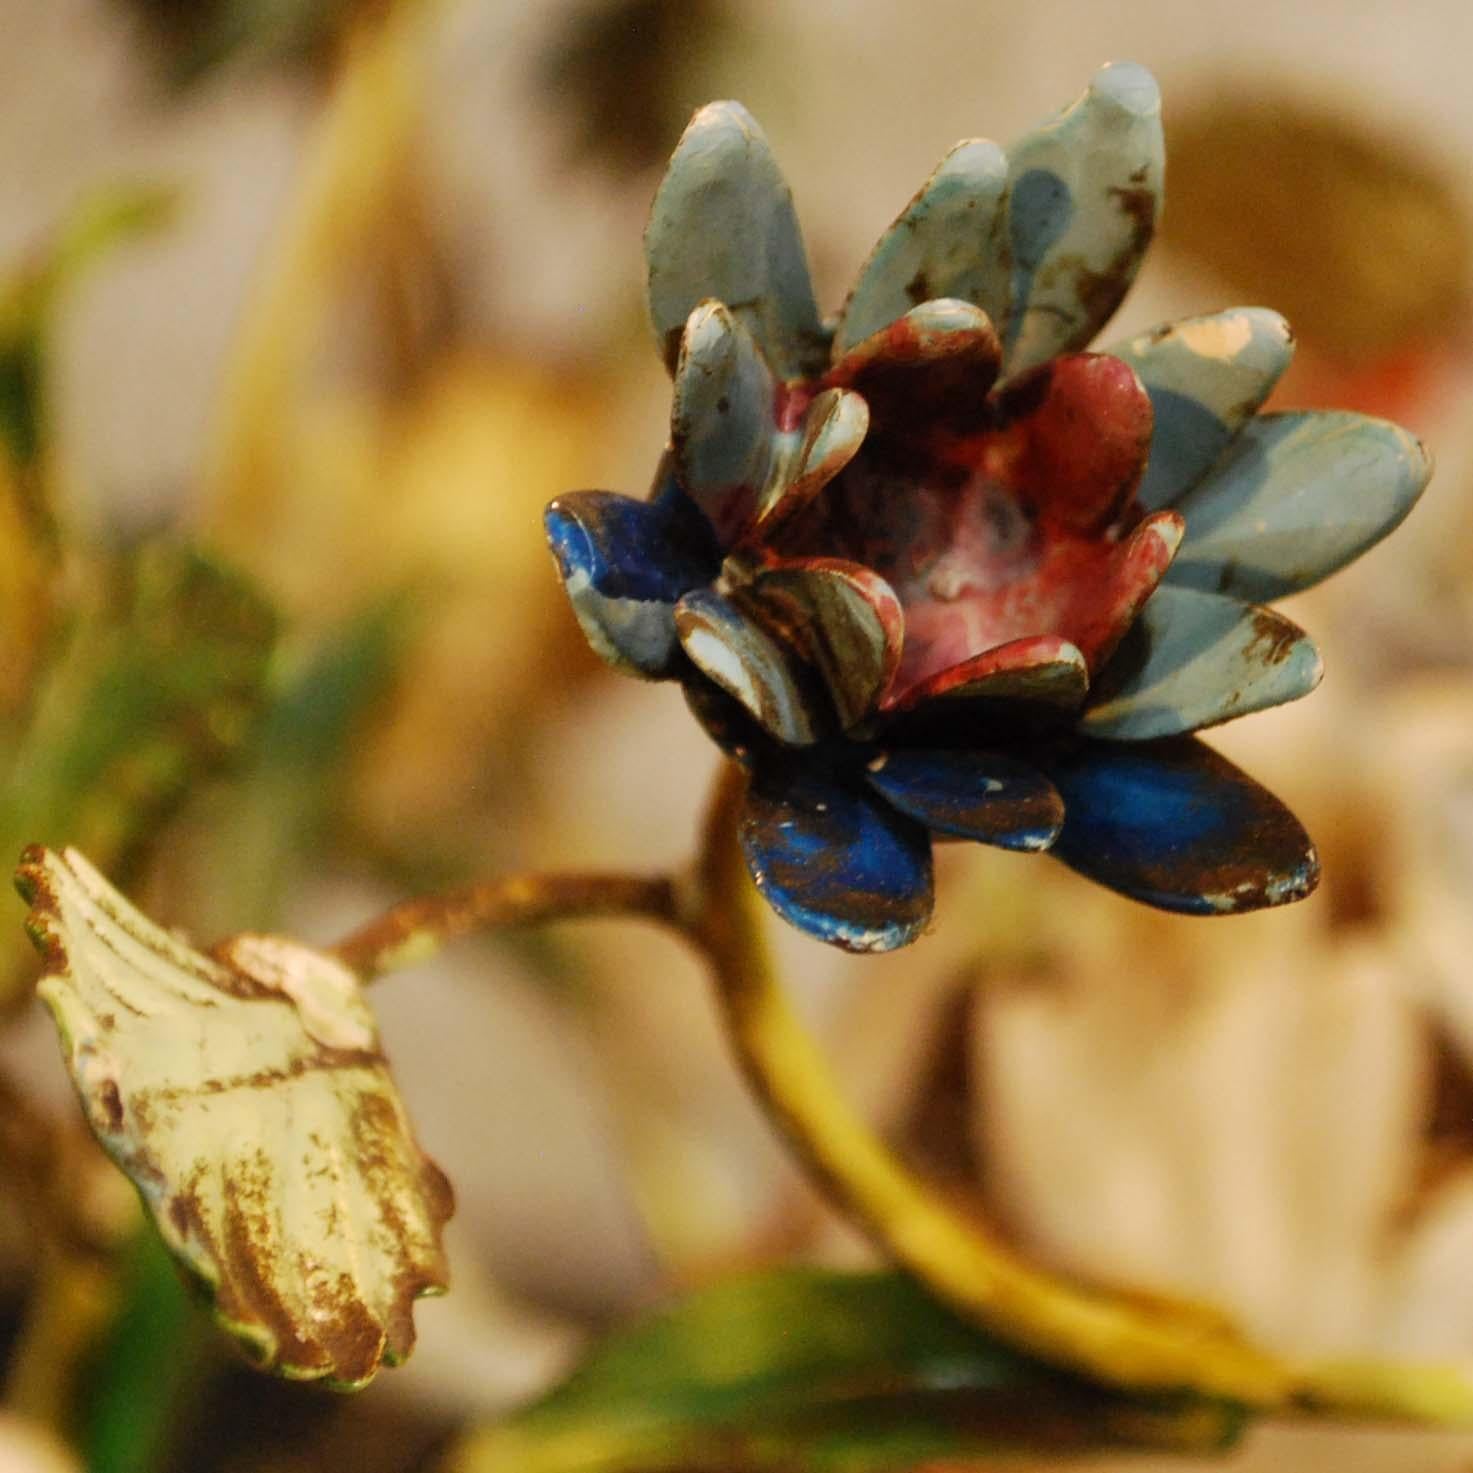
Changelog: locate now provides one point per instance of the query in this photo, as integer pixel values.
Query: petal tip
(843, 932)
(1129, 86)
(723, 112)
(1279, 887)
(1167, 528)
(568, 540)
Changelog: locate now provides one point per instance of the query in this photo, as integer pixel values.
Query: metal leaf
(247, 1097)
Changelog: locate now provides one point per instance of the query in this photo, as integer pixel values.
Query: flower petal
(725, 720)
(947, 242)
(1297, 497)
(844, 619)
(625, 564)
(1072, 439)
(1041, 670)
(723, 225)
(1105, 608)
(971, 795)
(722, 424)
(1177, 826)
(834, 427)
(837, 862)
(931, 368)
(1196, 659)
(1207, 376)
(1084, 192)
(766, 676)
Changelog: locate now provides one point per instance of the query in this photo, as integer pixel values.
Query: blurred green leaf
(251, 837)
(33, 589)
(130, 1401)
(161, 678)
(28, 300)
(807, 1371)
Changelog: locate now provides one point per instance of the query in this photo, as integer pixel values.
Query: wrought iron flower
(931, 569)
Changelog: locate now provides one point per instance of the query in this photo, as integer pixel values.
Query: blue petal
(971, 795)
(836, 862)
(1207, 376)
(723, 426)
(766, 675)
(946, 243)
(1195, 659)
(1297, 497)
(625, 565)
(1177, 826)
(725, 720)
(1083, 195)
(723, 225)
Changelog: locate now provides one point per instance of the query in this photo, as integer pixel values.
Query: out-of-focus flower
(918, 568)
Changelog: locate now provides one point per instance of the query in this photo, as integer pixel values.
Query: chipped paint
(1206, 378)
(1222, 336)
(1176, 825)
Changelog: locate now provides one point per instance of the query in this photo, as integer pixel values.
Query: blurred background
(308, 306)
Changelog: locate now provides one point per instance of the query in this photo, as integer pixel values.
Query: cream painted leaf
(246, 1095)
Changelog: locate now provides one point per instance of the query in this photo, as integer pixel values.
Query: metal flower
(931, 569)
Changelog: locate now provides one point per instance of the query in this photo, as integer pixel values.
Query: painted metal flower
(931, 569)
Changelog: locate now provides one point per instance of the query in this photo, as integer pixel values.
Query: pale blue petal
(1207, 376)
(723, 225)
(1196, 659)
(950, 241)
(1084, 192)
(1296, 497)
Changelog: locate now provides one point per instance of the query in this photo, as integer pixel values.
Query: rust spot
(250, 1243)
(918, 288)
(1100, 292)
(1273, 639)
(111, 1101)
(183, 1213)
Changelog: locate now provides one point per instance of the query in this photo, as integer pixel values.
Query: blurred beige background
(1271, 1113)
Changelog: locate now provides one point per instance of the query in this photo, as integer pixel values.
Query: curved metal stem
(417, 929)
(1133, 1341)
(1125, 1341)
